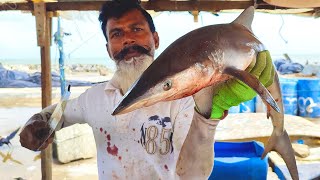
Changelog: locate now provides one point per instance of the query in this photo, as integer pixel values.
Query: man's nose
(129, 39)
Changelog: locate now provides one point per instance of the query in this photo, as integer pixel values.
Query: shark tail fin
(282, 145)
(254, 83)
(246, 18)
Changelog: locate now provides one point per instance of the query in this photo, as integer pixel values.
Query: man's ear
(108, 50)
(156, 39)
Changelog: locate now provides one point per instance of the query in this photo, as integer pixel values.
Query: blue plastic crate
(239, 160)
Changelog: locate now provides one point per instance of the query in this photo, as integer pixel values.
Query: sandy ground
(25, 163)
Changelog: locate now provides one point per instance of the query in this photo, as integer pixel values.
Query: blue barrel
(309, 97)
(239, 160)
(234, 109)
(248, 106)
(289, 95)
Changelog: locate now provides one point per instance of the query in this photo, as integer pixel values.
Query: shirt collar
(110, 86)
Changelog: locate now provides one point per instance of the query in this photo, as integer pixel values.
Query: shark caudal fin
(246, 18)
(280, 143)
(254, 83)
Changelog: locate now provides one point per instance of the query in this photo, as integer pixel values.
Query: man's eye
(137, 29)
(116, 34)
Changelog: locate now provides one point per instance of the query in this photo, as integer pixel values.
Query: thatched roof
(275, 6)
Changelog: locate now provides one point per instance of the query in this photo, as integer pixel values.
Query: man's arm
(36, 129)
(194, 153)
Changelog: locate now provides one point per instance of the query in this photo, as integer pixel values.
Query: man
(169, 140)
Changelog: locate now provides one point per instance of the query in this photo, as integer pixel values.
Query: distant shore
(69, 68)
(31, 97)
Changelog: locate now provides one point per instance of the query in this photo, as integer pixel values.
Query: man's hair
(117, 8)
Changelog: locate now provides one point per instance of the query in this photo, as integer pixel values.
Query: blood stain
(133, 129)
(113, 150)
(108, 137)
(105, 132)
(120, 158)
(108, 143)
(166, 167)
(101, 129)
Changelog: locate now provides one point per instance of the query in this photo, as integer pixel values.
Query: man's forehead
(131, 17)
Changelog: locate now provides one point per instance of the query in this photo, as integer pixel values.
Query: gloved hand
(233, 92)
(36, 130)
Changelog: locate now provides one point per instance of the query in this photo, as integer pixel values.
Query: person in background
(169, 140)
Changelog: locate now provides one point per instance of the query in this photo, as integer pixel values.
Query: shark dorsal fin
(246, 18)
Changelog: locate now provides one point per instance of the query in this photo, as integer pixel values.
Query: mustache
(140, 49)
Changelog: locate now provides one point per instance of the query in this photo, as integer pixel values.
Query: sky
(295, 35)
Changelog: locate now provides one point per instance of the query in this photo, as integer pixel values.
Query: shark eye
(167, 85)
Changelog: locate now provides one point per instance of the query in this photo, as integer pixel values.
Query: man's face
(130, 36)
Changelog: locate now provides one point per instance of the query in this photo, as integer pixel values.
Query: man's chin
(128, 71)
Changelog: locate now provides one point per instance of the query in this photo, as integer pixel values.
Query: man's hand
(35, 132)
(233, 92)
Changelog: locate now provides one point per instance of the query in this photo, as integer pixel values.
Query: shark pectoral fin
(282, 145)
(254, 83)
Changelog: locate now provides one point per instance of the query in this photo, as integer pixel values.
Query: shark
(206, 57)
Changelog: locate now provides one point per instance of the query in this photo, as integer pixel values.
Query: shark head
(160, 83)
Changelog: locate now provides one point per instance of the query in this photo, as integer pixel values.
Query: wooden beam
(159, 5)
(40, 14)
(46, 89)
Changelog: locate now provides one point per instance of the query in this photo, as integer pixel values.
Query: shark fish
(206, 57)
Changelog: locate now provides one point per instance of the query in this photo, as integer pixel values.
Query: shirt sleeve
(182, 124)
(73, 113)
(193, 143)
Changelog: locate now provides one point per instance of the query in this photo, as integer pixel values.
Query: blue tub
(234, 109)
(309, 97)
(239, 160)
(289, 95)
(248, 106)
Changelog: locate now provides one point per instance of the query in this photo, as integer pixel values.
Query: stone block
(73, 143)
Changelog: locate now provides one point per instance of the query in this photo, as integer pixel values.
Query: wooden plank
(40, 14)
(294, 3)
(162, 5)
(46, 87)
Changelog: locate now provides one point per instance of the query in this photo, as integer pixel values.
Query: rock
(73, 143)
(103, 71)
(301, 150)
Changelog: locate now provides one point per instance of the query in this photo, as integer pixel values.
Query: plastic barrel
(289, 95)
(239, 160)
(309, 97)
(234, 109)
(248, 106)
(260, 106)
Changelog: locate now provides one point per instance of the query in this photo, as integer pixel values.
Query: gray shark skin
(206, 57)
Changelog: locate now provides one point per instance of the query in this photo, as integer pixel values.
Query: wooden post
(46, 89)
(43, 25)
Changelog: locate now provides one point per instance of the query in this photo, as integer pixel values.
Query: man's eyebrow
(114, 30)
(137, 24)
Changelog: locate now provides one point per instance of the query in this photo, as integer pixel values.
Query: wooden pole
(46, 88)
(44, 25)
